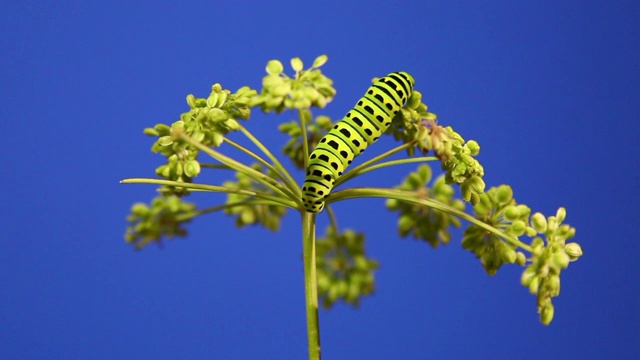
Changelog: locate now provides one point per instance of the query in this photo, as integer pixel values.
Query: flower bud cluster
(423, 222)
(498, 208)
(163, 218)
(457, 158)
(548, 259)
(408, 124)
(208, 120)
(344, 271)
(550, 252)
(306, 89)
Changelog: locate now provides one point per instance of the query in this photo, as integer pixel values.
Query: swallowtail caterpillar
(361, 127)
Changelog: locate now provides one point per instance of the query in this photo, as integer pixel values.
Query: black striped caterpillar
(361, 127)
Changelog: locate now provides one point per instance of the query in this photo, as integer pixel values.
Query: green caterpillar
(361, 127)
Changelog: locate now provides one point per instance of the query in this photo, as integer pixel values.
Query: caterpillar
(361, 127)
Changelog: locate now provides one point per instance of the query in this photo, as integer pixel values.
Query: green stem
(240, 167)
(253, 155)
(358, 169)
(193, 214)
(281, 170)
(364, 170)
(310, 283)
(305, 119)
(213, 188)
(413, 198)
(332, 218)
(214, 166)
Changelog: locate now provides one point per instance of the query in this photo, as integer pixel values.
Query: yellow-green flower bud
(414, 100)
(274, 67)
(539, 222)
(480, 209)
(511, 213)
(553, 285)
(232, 124)
(392, 204)
(552, 223)
(139, 209)
(296, 64)
(518, 227)
(165, 140)
(281, 89)
(560, 259)
(191, 100)
(320, 60)
(574, 250)
(150, 132)
(504, 194)
(508, 255)
(531, 232)
(474, 147)
(546, 314)
(162, 129)
(192, 168)
(216, 115)
(561, 214)
(534, 284)
(405, 223)
(527, 276)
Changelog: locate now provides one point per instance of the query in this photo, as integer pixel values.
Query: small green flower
(164, 217)
(306, 89)
(549, 256)
(498, 208)
(422, 222)
(208, 121)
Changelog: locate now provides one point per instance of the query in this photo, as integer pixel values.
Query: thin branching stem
(257, 176)
(392, 163)
(277, 167)
(332, 217)
(213, 188)
(414, 198)
(215, 166)
(305, 119)
(211, 209)
(356, 170)
(253, 155)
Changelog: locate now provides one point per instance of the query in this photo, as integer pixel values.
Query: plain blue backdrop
(550, 90)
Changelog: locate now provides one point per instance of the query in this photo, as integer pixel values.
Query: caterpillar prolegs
(361, 127)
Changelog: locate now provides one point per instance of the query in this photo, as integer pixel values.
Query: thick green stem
(310, 283)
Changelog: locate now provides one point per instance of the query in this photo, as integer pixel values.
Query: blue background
(550, 90)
